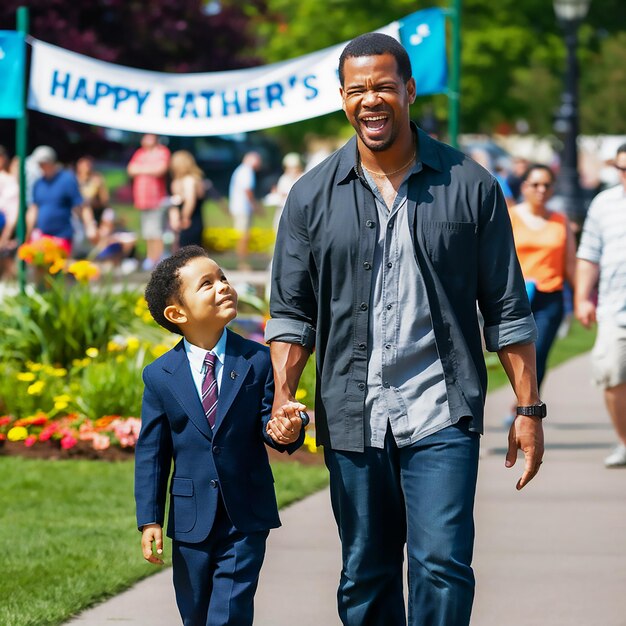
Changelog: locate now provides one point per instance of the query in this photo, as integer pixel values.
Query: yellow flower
(62, 398)
(34, 367)
(300, 394)
(309, 443)
(17, 433)
(57, 266)
(26, 377)
(132, 343)
(92, 353)
(59, 372)
(36, 388)
(113, 346)
(158, 350)
(60, 406)
(84, 271)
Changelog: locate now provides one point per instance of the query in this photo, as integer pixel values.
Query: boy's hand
(150, 533)
(286, 423)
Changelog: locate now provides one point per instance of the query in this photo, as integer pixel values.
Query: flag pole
(21, 133)
(455, 74)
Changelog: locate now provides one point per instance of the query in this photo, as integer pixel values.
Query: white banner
(76, 87)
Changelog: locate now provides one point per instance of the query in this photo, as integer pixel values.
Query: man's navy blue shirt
(322, 279)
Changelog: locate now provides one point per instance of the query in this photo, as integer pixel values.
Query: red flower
(68, 442)
(4, 420)
(30, 440)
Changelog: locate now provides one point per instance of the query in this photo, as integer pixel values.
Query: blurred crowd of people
(72, 205)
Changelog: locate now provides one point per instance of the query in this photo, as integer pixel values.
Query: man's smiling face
(376, 100)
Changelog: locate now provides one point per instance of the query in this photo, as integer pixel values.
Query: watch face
(305, 418)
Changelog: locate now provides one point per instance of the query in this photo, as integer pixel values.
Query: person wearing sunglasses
(546, 249)
(601, 266)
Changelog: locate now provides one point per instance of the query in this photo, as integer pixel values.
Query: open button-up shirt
(322, 280)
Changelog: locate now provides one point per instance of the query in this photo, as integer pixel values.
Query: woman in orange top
(547, 253)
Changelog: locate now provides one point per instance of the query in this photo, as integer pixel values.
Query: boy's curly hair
(164, 285)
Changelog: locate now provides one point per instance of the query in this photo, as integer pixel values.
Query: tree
(159, 35)
(513, 55)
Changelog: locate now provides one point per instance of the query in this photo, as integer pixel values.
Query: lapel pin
(233, 374)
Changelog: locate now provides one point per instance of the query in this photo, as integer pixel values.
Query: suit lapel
(234, 373)
(184, 390)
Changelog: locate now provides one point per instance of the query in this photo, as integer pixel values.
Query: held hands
(152, 533)
(285, 425)
(526, 434)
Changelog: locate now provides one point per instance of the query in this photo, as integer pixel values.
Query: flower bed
(71, 358)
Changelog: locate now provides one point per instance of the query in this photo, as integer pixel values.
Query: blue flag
(12, 61)
(423, 34)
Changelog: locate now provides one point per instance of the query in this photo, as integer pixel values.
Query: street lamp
(570, 14)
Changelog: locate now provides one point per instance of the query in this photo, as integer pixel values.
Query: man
(602, 258)
(56, 198)
(382, 252)
(242, 202)
(148, 167)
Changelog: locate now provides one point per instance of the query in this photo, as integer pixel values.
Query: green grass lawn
(69, 538)
(578, 341)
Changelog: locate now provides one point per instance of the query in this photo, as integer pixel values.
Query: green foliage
(71, 539)
(112, 385)
(513, 58)
(57, 325)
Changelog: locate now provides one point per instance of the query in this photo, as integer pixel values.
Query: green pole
(21, 131)
(454, 80)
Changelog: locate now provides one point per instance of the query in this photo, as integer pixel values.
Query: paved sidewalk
(551, 555)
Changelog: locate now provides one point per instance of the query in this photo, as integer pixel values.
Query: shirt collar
(196, 355)
(427, 154)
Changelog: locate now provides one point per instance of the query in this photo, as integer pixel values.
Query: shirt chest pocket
(451, 245)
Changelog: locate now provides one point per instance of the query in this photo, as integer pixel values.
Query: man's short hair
(373, 44)
(164, 285)
(621, 149)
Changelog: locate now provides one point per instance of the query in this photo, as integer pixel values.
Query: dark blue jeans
(422, 496)
(547, 309)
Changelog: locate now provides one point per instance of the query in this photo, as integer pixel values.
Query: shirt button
(370, 224)
(363, 306)
(367, 265)
(390, 225)
(389, 264)
(213, 484)
(361, 386)
(388, 346)
(362, 346)
(386, 385)
(389, 306)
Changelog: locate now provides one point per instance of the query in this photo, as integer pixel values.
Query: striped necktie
(209, 389)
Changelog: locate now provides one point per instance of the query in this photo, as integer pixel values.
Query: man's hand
(152, 533)
(526, 434)
(285, 425)
(585, 312)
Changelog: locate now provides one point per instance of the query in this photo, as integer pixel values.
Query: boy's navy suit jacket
(230, 458)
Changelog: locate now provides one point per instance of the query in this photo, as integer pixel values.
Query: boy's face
(207, 298)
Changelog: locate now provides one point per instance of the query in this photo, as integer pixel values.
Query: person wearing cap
(56, 197)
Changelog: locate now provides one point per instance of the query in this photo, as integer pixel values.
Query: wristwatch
(305, 418)
(534, 410)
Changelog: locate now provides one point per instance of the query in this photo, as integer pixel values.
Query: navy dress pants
(422, 496)
(215, 580)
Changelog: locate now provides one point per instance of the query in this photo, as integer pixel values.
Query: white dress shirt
(196, 361)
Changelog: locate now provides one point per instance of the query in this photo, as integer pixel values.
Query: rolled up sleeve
(508, 333)
(290, 331)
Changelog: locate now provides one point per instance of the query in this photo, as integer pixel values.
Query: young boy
(206, 407)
